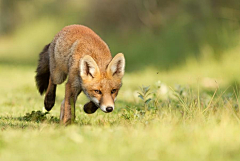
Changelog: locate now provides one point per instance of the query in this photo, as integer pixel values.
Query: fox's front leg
(67, 115)
(62, 110)
(90, 107)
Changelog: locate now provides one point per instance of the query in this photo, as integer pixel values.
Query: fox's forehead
(106, 83)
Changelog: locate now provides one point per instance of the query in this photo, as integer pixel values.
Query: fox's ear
(117, 66)
(88, 68)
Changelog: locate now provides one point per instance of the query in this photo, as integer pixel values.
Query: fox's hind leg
(50, 96)
(55, 78)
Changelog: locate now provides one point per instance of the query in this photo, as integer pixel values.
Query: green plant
(144, 94)
(36, 116)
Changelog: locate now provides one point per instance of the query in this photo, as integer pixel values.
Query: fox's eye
(98, 91)
(113, 91)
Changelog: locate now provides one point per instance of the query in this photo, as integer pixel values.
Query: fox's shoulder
(77, 41)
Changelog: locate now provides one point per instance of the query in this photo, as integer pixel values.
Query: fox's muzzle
(106, 109)
(94, 104)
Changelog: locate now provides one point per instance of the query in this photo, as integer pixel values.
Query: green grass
(193, 115)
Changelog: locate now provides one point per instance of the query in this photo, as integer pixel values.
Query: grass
(189, 112)
(198, 119)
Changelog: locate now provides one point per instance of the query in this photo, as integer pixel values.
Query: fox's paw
(66, 121)
(49, 102)
(90, 107)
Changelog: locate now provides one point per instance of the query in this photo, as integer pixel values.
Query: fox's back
(75, 41)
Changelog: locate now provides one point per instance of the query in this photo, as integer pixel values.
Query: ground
(188, 113)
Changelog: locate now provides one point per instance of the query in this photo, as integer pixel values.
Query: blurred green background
(188, 51)
(162, 34)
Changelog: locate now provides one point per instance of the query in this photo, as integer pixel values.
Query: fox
(79, 55)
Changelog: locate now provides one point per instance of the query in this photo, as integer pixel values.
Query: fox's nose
(109, 109)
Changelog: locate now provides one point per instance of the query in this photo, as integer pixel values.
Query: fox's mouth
(94, 104)
(106, 109)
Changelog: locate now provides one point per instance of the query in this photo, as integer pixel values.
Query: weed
(144, 94)
(39, 116)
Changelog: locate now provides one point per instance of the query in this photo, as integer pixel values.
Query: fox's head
(102, 87)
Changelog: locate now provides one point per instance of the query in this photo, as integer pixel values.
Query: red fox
(81, 55)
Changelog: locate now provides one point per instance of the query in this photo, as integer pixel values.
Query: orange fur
(81, 55)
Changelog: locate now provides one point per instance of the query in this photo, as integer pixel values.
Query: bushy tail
(43, 72)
